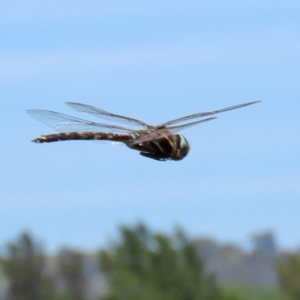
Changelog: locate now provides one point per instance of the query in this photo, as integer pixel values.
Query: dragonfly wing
(177, 128)
(104, 114)
(110, 143)
(65, 123)
(204, 114)
(154, 135)
(163, 132)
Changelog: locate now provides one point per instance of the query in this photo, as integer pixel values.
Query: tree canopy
(289, 275)
(145, 265)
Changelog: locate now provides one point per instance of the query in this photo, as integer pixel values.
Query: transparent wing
(154, 135)
(177, 128)
(104, 114)
(204, 114)
(112, 143)
(65, 123)
(162, 132)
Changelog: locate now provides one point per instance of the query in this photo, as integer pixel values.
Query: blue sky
(155, 61)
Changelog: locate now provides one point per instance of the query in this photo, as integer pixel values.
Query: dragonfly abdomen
(69, 136)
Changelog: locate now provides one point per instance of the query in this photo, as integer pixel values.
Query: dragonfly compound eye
(183, 147)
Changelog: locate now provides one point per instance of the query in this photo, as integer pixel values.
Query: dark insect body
(157, 142)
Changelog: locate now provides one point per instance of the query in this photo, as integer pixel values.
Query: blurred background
(154, 61)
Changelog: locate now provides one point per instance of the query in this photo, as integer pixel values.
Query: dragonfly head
(183, 147)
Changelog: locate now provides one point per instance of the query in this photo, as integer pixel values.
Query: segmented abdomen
(68, 136)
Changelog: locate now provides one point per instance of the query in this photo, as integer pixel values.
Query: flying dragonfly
(159, 142)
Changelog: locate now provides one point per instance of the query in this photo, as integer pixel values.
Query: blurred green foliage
(139, 265)
(24, 269)
(288, 270)
(242, 292)
(144, 265)
(27, 271)
(70, 265)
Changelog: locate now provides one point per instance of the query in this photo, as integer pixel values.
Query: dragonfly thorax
(168, 147)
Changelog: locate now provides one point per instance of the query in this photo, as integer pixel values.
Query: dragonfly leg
(156, 157)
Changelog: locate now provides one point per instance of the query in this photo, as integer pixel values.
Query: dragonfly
(161, 142)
